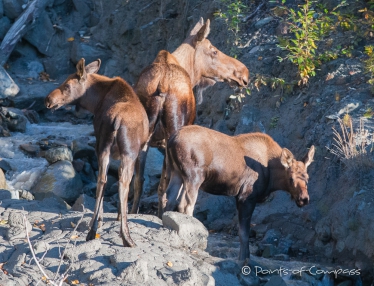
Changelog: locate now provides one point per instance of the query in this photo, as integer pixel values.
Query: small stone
(31, 149)
(263, 22)
(191, 230)
(15, 219)
(58, 154)
(8, 87)
(26, 195)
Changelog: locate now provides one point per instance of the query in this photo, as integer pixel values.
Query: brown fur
(121, 130)
(165, 88)
(248, 167)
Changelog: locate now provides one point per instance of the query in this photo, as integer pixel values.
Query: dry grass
(353, 148)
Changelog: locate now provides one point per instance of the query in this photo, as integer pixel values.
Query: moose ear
(286, 158)
(81, 72)
(203, 32)
(93, 67)
(308, 159)
(197, 27)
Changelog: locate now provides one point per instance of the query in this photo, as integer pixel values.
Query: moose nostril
(306, 201)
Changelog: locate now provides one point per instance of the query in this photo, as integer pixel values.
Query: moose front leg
(97, 217)
(245, 211)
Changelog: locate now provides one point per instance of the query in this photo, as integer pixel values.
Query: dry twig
(58, 279)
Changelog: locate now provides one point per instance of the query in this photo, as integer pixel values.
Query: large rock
(41, 34)
(1, 8)
(59, 180)
(191, 230)
(210, 208)
(7, 86)
(4, 25)
(13, 8)
(89, 53)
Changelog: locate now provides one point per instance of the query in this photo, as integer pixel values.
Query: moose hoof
(128, 242)
(91, 235)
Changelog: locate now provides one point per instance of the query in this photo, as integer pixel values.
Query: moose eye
(215, 53)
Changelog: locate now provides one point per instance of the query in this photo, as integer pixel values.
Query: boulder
(1, 8)
(5, 195)
(41, 34)
(82, 7)
(4, 165)
(58, 154)
(60, 180)
(14, 118)
(190, 230)
(13, 8)
(210, 208)
(4, 26)
(89, 53)
(8, 86)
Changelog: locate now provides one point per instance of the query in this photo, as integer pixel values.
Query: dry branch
(20, 27)
(254, 13)
(58, 278)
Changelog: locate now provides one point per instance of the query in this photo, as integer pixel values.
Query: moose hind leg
(96, 220)
(173, 192)
(125, 173)
(189, 197)
(139, 178)
(164, 182)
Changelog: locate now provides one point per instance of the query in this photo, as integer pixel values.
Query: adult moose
(165, 88)
(248, 167)
(121, 130)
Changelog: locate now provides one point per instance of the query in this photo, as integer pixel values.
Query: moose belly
(220, 187)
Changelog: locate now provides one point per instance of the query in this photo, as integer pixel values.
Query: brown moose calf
(121, 130)
(248, 167)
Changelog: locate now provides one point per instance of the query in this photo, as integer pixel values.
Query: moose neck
(185, 54)
(278, 176)
(97, 87)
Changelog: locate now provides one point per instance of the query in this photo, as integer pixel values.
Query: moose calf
(248, 167)
(121, 130)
